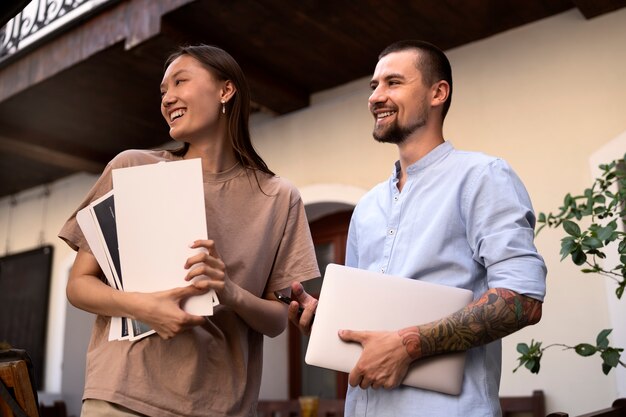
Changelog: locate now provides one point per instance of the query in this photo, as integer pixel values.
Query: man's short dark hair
(432, 63)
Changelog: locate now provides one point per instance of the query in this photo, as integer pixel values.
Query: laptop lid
(356, 299)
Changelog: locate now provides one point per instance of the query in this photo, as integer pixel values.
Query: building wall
(544, 97)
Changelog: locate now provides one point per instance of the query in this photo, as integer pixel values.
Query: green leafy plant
(602, 208)
(531, 355)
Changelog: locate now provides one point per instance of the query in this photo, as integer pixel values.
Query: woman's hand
(208, 271)
(162, 312)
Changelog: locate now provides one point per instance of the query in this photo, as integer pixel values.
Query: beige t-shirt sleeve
(70, 232)
(295, 259)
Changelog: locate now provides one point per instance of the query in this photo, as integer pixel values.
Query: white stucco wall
(544, 97)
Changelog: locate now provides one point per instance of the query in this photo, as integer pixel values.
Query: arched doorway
(329, 234)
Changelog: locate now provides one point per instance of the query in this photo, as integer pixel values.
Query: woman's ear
(228, 90)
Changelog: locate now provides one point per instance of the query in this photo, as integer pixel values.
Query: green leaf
(568, 200)
(533, 365)
(522, 348)
(606, 368)
(602, 339)
(604, 233)
(541, 218)
(592, 243)
(571, 228)
(599, 210)
(611, 238)
(535, 368)
(579, 257)
(611, 357)
(621, 248)
(585, 349)
(568, 245)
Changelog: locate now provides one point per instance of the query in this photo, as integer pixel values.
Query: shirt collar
(438, 153)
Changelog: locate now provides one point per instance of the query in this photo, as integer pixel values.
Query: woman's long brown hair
(224, 67)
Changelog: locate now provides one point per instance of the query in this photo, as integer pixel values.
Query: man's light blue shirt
(463, 219)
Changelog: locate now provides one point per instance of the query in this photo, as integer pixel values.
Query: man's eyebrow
(387, 77)
(394, 75)
(174, 75)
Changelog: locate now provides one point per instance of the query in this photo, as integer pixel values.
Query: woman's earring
(223, 106)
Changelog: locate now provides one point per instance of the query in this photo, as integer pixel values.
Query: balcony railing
(41, 18)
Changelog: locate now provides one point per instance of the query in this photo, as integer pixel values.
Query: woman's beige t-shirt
(212, 370)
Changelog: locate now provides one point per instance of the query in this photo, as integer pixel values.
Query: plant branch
(611, 357)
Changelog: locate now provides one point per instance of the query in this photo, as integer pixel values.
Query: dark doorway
(329, 234)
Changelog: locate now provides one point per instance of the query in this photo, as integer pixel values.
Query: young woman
(259, 242)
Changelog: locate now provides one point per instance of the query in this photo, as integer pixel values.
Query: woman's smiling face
(190, 99)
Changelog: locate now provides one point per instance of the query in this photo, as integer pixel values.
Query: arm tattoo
(498, 313)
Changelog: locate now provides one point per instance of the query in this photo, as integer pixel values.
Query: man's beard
(397, 134)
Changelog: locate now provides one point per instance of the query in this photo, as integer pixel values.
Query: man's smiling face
(399, 101)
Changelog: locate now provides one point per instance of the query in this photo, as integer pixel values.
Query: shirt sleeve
(500, 230)
(70, 232)
(352, 253)
(295, 259)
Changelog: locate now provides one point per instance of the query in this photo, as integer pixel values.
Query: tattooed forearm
(498, 313)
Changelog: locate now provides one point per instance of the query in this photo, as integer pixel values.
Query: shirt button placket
(391, 230)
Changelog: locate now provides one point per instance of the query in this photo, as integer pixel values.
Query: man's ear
(440, 92)
(228, 90)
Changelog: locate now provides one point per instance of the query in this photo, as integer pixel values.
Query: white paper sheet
(159, 213)
(90, 230)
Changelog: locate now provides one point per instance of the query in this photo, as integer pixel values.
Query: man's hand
(384, 361)
(302, 299)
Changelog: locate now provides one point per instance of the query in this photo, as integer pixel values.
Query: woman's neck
(216, 156)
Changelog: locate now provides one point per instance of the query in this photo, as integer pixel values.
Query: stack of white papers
(140, 234)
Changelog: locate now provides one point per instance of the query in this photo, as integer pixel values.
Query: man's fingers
(294, 311)
(353, 336)
(365, 383)
(306, 318)
(354, 379)
(298, 294)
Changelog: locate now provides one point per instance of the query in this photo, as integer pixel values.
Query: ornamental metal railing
(40, 19)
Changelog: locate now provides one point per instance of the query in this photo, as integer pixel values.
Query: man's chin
(386, 138)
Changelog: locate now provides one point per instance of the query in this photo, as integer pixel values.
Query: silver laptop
(356, 299)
